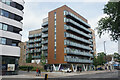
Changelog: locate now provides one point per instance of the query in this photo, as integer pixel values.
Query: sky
(34, 12)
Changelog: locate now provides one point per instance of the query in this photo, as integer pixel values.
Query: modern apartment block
(93, 45)
(23, 50)
(69, 40)
(11, 15)
(34, 45)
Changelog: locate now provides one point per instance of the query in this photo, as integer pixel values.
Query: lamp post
(105, 50)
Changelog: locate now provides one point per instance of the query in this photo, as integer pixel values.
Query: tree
(117, 57)
(28, 60)
(111, 23)
(95, 62)
(101, 58)
(43, 59)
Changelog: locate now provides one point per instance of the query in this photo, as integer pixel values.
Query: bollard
(46, 76)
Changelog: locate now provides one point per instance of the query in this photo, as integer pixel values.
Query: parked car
(100, 68)
(67, 70)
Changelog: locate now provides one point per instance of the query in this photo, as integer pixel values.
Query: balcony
(31, 36)
(37, 50)
(70, 43)
(77, 60)
(77, 52)
(45, 35)
(45, 24)
(30, 51)
(45, 42)
(77, 38)
(44, 48)
(36, 56)
(45, 54)
(78, 25)
(80, 20)
(45, 29)
(37, 40)
(77, 31)
(37, 45)
(91, 45)
(30, 46)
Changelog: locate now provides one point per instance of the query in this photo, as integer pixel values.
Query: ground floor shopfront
(9, 65)
(73, 67)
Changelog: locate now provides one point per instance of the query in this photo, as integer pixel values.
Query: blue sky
(34, 12)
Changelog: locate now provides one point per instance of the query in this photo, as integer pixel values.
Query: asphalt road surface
(98, 76)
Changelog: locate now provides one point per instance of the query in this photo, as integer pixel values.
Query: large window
(13, 4)
(10, 15)
(3, 41)
(5, 27)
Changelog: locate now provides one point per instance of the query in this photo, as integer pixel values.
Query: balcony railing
(71, 14)
(37, 45)
(45, 42)
(45, 29)
(35, 40)
(70, 43)
(77, 52)
(45, 24)
(37, 50)
(77, 60)
(45, 35)
(36, 56)
(44, 48)
(80, 26)
(35, 35)
(77, 31)
(77, 38)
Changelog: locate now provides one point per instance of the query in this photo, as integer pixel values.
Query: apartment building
(93, 45)
(70, 40)
(23, 50)
(11, 15)
(34, 45)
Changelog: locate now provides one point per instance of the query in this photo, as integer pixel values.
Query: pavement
(86, 74)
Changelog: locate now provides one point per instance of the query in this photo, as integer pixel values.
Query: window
(64, 19)
(5, 27)
(55, 22)
(55, 43)
(8, 2)
(14, 44)
(0, 40)
(3, 1)
(1, 26)
(3, 41)
(6, 14)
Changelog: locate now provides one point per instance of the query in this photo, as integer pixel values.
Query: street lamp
(105, 50)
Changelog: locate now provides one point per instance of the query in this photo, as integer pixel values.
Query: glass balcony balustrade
(30, 51)
(77, 52)
(37, 45)
(45, 42)
(45, 29)
(30, 36)
(30, 46)
(76, 59)
(45, 24)
(36, 56)
(70, 43)
(91, 45)
(92, 51)
(44, 48)
(77, 38)
(80, 26)
(45, 35)
(76, 30)
(36, 40)
(71, 14)
(37, 50)
(35, 35)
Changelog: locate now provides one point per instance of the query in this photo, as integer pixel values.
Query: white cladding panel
(9, 50)
(10, 35)
(11, 22)
(11, 9)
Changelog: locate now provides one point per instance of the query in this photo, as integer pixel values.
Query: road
(110, 75)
